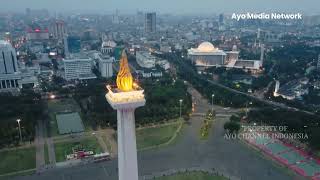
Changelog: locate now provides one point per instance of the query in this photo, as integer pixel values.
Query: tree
(232, 127)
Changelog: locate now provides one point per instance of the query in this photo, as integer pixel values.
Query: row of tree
(162, 101)
(28, 107)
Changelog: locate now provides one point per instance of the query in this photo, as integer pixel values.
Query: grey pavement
(39, 143)
(229, 157)
(51, 152)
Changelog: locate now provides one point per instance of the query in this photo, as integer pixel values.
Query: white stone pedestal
(125, 103)
(127, 148)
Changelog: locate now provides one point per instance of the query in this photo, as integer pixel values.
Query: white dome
(109, 44)
(206, 47)
(234, 48)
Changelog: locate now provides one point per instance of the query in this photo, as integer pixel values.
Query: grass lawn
(192, 176)
(53, 125)
(64, 148)
(154, 136)
(22, 173)
(17, 160)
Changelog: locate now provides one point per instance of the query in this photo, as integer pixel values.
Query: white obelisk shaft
(127, 148)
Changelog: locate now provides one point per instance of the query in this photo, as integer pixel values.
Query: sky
(166, 6)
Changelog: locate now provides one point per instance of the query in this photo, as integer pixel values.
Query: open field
(64, 148)
(192, 176)
(154, 136)
(17, 160)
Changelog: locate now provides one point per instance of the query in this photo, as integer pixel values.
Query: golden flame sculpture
(124, 77)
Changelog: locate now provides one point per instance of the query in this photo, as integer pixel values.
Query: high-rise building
(9, 72)
(221, 19)
(116, 18)
(58, 30)
(105, 66)
(74, 44)
(150, 22)
(139, 17)
(78, 67)
(8, 59)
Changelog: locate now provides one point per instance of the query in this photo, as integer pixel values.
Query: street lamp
(180, 106)
(212, 96)
(247, 109)
(18, 120)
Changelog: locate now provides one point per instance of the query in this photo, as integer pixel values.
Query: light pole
(247, 109)
(18, 120)
(212, 96)
(180, 101)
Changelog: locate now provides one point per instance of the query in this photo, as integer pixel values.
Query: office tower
(74, 44)
(150, 22)
(221, 19)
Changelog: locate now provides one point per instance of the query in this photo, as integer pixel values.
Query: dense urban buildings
(186, 84)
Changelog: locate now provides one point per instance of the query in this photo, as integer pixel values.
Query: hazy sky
(166, 6)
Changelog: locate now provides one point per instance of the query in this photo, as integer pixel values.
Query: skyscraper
(221, 19)
(74, 44)
(58, 30)
(9, 72)
(8, 59)
(150, 22)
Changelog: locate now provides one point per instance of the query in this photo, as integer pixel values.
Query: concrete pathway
(39, 144)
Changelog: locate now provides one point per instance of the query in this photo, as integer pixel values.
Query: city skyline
(308, 7)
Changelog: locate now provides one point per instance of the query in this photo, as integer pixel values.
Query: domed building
(108, 46)
(207, 55)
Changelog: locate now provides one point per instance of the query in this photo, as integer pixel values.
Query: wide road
(272, 103)
(229, 157)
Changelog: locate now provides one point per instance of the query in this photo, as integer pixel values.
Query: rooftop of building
(5, 44)
(77, 57)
